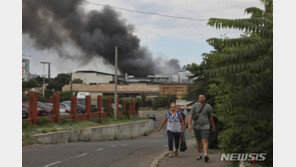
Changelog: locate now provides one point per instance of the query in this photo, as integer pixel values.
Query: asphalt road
(136, 152)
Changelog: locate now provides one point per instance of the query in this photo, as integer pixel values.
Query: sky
(167, 38)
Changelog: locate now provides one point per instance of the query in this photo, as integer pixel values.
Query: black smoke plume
(52, 23)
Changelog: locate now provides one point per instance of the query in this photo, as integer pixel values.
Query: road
(136, 152)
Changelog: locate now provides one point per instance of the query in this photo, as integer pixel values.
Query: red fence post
(124, 106)
(134, 107)
(33, 107)
(56, 106)
(130, 107)
(109, 106)
(99, 104)
(87, 106)
(74, 106)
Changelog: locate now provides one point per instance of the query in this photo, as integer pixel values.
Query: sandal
(171, 154)
(176, 153)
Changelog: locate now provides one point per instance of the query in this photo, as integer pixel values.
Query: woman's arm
(162, 123)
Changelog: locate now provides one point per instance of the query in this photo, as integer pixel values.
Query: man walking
(202, 114)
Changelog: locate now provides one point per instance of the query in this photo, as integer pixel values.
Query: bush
(43, 121)
(25, 97)
(77, 81)
(163, 101)
(26, 125)
(66, 95)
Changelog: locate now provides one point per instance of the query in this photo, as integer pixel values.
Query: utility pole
(48, 70)
(71, 82)
(43, 86)
(115, 89)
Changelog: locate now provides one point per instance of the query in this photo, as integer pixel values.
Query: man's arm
(190, 117)
(190, 122)
(213, 124)
(212, 119)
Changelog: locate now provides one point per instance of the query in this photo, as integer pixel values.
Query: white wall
(92, 77)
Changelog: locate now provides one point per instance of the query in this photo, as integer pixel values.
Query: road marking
(100, 149)
(52, 164)
(80, 155)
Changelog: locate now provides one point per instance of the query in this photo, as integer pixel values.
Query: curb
(156, 161)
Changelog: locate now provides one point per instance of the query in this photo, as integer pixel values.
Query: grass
(67, 124)
(151, 109)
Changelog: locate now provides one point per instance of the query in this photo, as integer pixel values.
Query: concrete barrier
(99, 133)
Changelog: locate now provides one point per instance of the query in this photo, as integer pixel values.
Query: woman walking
(174, 121)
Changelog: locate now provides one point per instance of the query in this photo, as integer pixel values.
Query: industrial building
(133, 89)
(96, 77)
(131, 86)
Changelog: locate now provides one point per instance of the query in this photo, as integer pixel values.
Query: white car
(63, 110)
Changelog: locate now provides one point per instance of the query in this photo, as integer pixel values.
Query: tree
(243, 70)
(201, 83)
(77, 81)
(32, 83)
(40, 80)
(59, 81)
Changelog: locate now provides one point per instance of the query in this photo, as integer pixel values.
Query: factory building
(94, 77)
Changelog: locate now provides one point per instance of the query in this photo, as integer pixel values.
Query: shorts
(201, 134)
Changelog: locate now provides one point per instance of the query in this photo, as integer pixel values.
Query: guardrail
(55, 117)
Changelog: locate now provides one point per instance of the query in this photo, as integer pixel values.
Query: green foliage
(241, 70)
(40, 80)
(59, 81)
(66, 95)
(201, 83)
(32, 83)
(67, 121)
(43, 121)
(25, 97)
(77, 81)
(162, 101)
(26, 125)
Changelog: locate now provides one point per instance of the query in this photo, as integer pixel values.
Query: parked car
(151, 116)
(64, 110)
(25, 113)
(67, 105)
(41, 111)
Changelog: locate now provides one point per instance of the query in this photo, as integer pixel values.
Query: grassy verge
(151, 109)
(43, 126)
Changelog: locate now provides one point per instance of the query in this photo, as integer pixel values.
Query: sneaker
(199, 157)
(206, 158)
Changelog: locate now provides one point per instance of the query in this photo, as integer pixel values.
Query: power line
(145, 12)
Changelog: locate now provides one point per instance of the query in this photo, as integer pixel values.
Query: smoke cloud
(54, 23)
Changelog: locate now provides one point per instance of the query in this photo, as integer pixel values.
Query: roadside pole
(115, 89)
(43, 84)
(71, 83)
